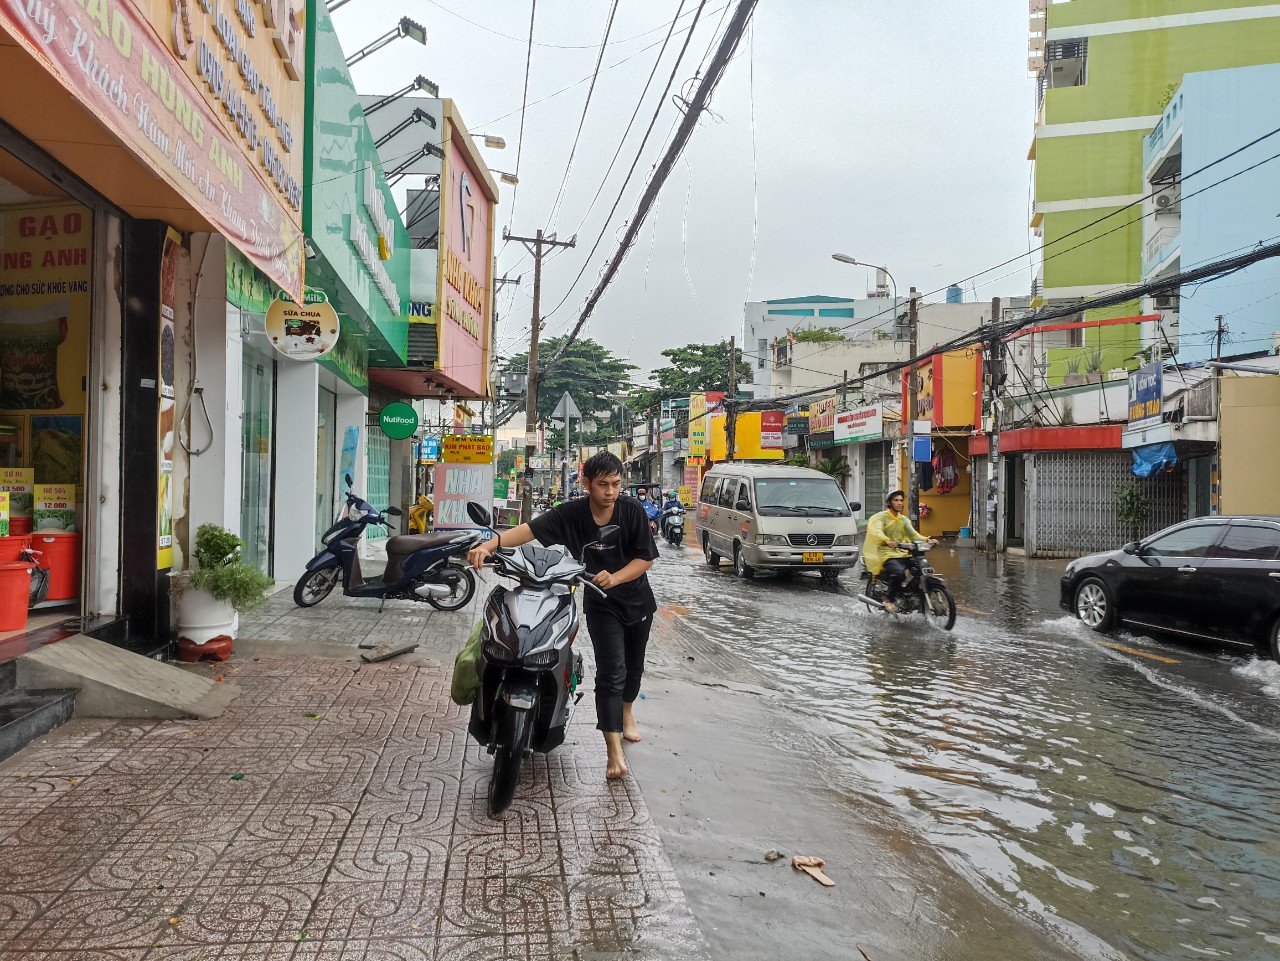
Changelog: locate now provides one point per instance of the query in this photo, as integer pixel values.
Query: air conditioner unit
(1165, 301)
(1168, 199)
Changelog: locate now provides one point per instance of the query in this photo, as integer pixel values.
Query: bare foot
(616, 766)
(630, 729)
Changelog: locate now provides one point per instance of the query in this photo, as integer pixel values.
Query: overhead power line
(715, 70)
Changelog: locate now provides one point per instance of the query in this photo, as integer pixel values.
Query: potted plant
(1073, 376)
(220, 588)
(1093, 366)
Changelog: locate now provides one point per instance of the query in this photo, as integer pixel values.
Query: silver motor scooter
(529, 687)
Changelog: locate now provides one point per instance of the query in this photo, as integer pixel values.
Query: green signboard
(398, 421)
(501, 488)
(350, 217)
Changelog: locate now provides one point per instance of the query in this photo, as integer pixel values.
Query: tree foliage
(693, 369)
(591, 375)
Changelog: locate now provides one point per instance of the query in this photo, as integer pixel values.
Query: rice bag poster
(169, 258)
(45, 283)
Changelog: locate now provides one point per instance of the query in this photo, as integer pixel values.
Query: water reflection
(1136, 803)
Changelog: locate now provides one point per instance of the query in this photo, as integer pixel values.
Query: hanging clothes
(947, 473)
(925, 478)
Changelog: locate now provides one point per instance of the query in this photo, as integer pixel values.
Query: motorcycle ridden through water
(923, 590)
(420, 567)
(671, 521)
(529, 687)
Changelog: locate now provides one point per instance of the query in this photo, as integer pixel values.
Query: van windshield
(780, 496)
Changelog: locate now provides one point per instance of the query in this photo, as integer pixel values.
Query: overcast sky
(895, 132)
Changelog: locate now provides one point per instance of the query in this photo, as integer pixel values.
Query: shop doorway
(46, 307)
(874, 485)
(326, 459)
(1015, 499)
(257, 413)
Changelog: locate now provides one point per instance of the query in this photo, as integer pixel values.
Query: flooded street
(1119, 790)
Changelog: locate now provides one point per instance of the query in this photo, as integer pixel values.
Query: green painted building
(1106, 70)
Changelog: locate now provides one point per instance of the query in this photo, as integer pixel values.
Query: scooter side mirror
(394, 512)
(349, 479)
(479, 513)
(608, 533)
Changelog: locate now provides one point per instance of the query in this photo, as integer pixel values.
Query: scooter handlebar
(586, 580)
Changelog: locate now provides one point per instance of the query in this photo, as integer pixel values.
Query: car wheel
(830, 575)
(713, 559)
(1094, 605)
(740, 565)
(1273, 642)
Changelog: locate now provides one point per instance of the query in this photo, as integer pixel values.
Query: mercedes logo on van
(812, 540)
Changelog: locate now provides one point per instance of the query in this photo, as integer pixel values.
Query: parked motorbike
(673, 523)
(923, 591)
(420, 515)
(532, 673)
(420, 567)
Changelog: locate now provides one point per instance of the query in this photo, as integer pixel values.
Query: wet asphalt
(1119, 792)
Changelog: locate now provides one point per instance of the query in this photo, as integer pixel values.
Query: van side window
(727, 490)
(709, 490)
(744, 494)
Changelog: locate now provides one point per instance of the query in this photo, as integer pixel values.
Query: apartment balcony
(1162, 248)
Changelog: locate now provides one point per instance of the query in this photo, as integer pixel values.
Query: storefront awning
(639, 455)
(1151, 459)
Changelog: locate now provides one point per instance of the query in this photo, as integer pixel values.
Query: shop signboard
(822, 415)
(697, 425)
(501, 488)
(667, 433)
(398, 421)
(771, 427)
(797, 420)
(347, 462)
(519, 463)
(4, 513)
(350, 215)
(55, 507)
(467, 449)
(1146, 396)
(429, 450)
(685, 493)
(857, 426)
(213, 108)
(465, 263)
(618, 450)
(457, 485)
(305, 331)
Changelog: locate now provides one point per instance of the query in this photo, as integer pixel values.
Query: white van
(776, 518)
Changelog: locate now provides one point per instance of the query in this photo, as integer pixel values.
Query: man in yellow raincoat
(881, 551)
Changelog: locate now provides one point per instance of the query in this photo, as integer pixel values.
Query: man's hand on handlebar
(481, 553)
(605, 580)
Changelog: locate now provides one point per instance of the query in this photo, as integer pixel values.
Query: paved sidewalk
(336, 812)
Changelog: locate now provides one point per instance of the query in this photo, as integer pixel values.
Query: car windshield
(799, 495)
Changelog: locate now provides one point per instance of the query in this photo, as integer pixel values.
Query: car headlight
(843, 540)
(1071, 568)
(774, 540)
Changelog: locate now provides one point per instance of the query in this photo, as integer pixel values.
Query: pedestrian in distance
(620, 622)
(882, 551)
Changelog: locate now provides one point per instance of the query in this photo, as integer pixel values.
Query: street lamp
(492, 141)
(505, 177)
(420, 83)
(846, 259)
(418, 116)
(405, 28)
(428, 150)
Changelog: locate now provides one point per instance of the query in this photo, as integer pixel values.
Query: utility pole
(913, 486)
(731, 406)
(844, 391)
(498, 284)
(534, 245)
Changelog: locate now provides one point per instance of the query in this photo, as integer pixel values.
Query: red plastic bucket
(19, 525)
(62, 557)
(11, 548)
(15, 593)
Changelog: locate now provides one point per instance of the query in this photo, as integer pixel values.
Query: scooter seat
(408, 543)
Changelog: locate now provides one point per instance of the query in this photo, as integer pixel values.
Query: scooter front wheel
(514, 730)
(314, 586)
(463, 591)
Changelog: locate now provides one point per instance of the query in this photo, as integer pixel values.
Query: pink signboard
(466, 259)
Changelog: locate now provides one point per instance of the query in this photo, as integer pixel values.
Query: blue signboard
(429, 452)
(1146, 396)
(922, 448)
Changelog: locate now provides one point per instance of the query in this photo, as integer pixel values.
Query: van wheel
(1273, 645)
(713, 559)
(740, 565)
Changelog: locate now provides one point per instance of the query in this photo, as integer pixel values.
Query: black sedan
(1216, 578)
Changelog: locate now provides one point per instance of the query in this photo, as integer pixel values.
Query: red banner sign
(109, 57)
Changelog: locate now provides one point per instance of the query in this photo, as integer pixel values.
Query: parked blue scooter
(420, 567)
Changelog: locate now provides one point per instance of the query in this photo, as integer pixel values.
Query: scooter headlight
(354, 513)
(494, 650)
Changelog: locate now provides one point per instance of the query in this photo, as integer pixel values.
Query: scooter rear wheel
(314, 586)
(462, 593)
(514, 729)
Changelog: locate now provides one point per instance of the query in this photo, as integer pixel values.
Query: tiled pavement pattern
(358, 830)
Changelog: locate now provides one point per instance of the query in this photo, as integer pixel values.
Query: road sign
(566, 408)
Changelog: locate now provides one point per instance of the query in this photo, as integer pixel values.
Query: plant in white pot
(220, 588)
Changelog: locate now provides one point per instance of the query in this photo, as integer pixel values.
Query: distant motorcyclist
(672, 506)
(651, 511)
(882, 549)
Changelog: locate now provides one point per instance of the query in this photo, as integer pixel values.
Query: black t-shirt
(573, 526)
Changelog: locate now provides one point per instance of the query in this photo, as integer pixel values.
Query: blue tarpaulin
(1153, 458)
